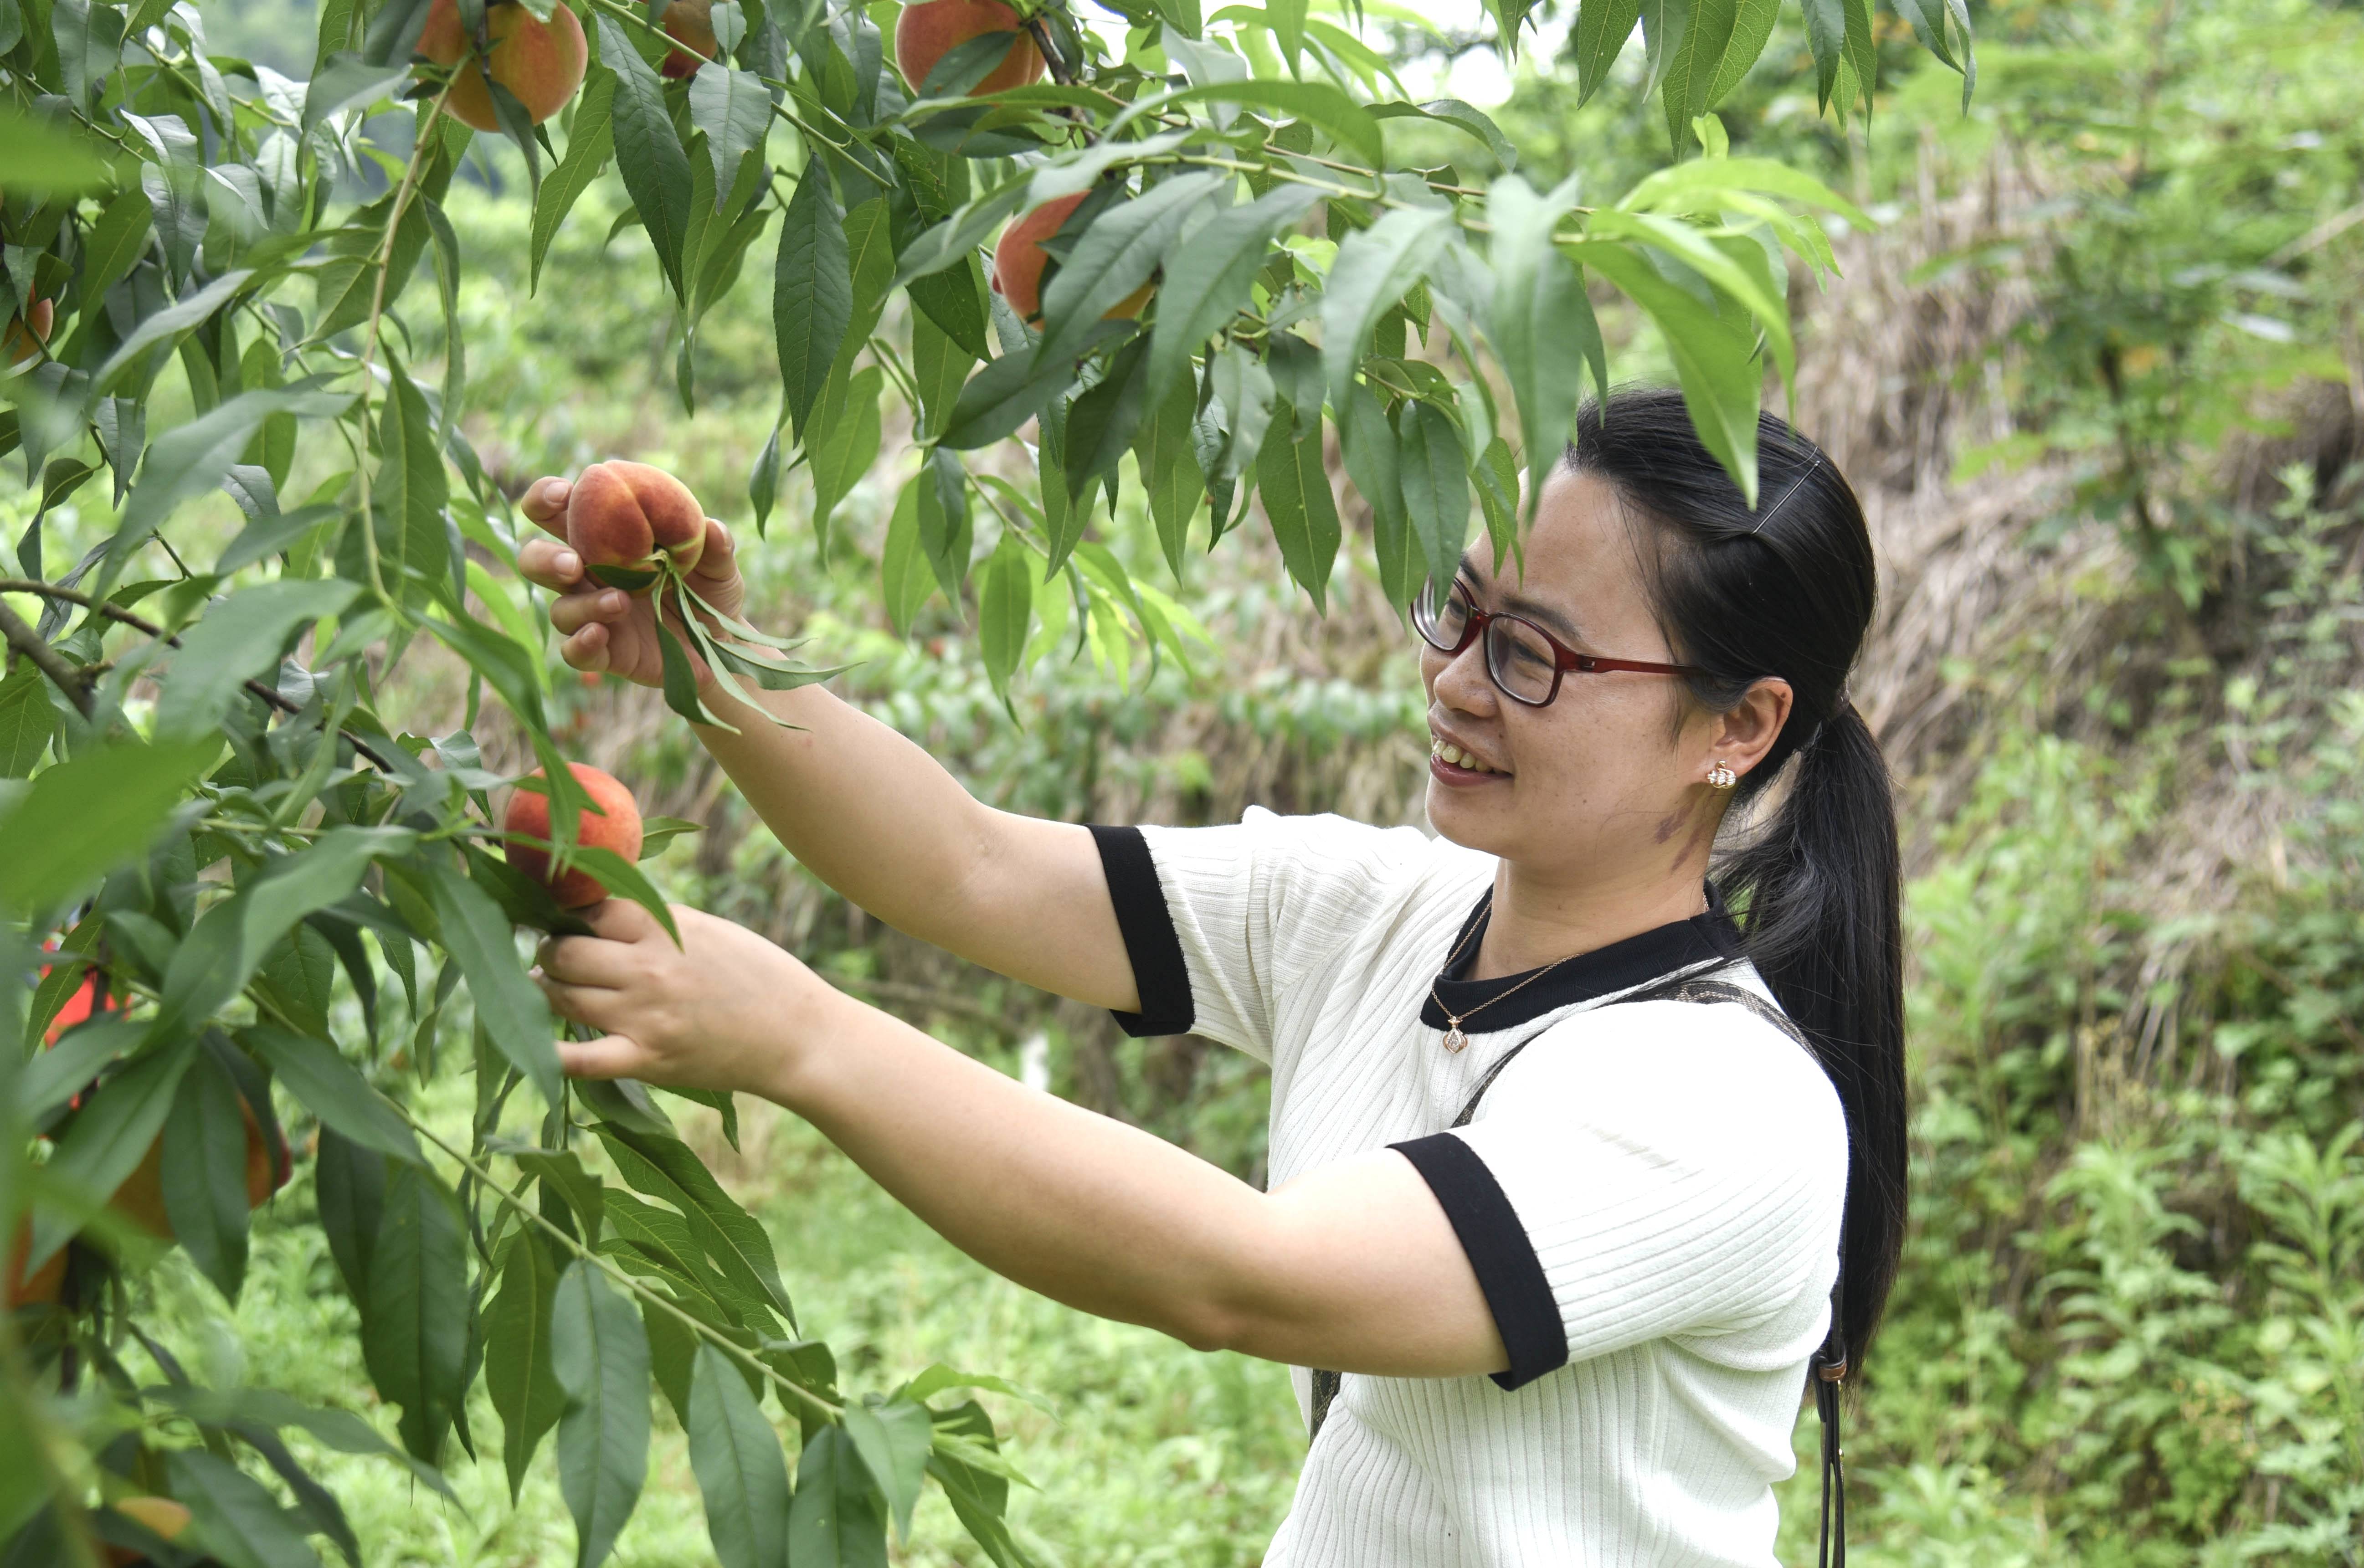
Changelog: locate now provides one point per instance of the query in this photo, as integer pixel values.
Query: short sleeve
(1219, 921)
(1651, 1169)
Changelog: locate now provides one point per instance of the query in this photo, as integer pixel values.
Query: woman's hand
(607, 628)
(724, 1010)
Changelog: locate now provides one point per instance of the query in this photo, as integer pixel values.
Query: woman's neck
(1538, 918)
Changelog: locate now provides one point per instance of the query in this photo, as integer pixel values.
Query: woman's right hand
(607, 629)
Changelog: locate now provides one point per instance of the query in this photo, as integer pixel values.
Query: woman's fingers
(609, 1056)
(621, 920)
(547, 563)
(586, 961)
(718, 561)
(584, 1004)
(590, 651)
(573, 612)
(544, 502)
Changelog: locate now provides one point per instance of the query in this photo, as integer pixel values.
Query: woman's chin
(1475, 819)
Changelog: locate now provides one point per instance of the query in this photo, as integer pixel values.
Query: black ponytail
(1786, 590)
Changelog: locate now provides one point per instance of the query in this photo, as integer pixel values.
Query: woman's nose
(1464, 683)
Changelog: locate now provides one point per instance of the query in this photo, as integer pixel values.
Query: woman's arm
(872, 815)
(1354, 1267)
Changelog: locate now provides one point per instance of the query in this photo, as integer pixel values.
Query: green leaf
(850, 447)
(415, 1316)
(115, 242)
(350, 1182)
(1102, 419)
(170, 323)
(27, 720)
(663, 1166)
(1371, 462)
(1169, 467)
(837, 1519)
(332, 1089)
(954, 300)
(945, 532)
(979, 1495)
(1007, 392)
(1690, 187)
(601, 1355)
(905, 577)
(589, 144)
(1462, 116)
(1348, 123)
(346, 79)
(734, 110)
(241, 637)
(1374, 269)
(510, 1005)
(1542, 323)
(338, 1429)
(1296, 491)
(1005, 611)
(231, 940)
(893, 1441)
(239, 1522)
(1715, 363)
(410, 492)
(1436, 472)
(938, 366)
(813, 295)
(98, 809)
(648, 152)
(44, 158)
(109, 1137)
(1207, 280)
(519, 1375)
(563, 1174)
(203, 1171)
(1114, 257)
(192, 459)
(741, 1470)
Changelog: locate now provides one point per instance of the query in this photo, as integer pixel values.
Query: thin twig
(141, 623)
(706, 1331)
(46, 659)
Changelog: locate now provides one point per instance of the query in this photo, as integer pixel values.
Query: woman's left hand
(724, 1010)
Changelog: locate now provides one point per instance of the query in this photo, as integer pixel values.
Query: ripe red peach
(1018, 261)
(529, 818)
(541, 62)
(925, 33)
(619, 515)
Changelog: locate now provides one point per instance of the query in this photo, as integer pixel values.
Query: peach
(541, 63)
(529, 817)
(140, 1198)
(619, 515)
(925, 33)
(43, 1284)
(26, 334)
(689, 23)
(161, 1517)
(1018, 261)
(78, 1008)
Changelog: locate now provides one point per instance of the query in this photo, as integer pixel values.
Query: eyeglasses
(1526, 661)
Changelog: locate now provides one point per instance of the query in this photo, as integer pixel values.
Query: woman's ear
(1749, 730)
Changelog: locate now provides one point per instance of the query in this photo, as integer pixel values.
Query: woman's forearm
(881, 821)
(1356, 1268)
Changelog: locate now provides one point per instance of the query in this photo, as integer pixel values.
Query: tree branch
(46, 659)
(116, 613)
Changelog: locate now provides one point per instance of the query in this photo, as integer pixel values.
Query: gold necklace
(1454, 1040)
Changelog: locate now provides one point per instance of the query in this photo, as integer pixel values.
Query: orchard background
(2090, 352)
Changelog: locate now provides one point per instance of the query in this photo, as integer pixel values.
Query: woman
(1558, 1202)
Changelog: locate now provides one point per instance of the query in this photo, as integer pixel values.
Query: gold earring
(1721, 776)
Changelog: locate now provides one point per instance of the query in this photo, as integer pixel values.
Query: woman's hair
(1786, 590)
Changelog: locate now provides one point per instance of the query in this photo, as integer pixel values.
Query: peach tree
(237, 888)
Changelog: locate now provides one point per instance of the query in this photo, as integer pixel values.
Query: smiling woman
(1578, 1175)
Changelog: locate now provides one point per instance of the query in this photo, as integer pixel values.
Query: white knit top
(1650, 1194)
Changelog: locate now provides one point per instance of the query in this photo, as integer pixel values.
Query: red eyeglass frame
(1565, 659)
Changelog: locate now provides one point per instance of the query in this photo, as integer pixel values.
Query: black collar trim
(1604, 972)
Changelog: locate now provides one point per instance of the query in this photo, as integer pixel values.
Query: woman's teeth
(1457, 757)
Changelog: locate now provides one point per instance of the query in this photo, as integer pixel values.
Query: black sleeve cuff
(1158, 972)
(1504, 1259)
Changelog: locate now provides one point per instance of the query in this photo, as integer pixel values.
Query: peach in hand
(619, 515)
(528, 817)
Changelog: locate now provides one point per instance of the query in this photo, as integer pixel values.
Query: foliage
(278, 894)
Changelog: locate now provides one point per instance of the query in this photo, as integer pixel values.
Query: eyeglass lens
(1517, 656)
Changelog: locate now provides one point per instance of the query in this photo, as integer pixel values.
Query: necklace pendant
(1454, 1040)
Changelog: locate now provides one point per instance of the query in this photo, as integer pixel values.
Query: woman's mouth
(1450, 764)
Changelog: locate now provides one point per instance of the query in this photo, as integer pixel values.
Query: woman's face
(1608, 780)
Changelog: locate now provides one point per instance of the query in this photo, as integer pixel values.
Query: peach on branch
(527, 818)
(159, 1517)
(541, 64)
(42, 1286)
(925, 33)
(26, 334)
(1019, 262)
(620, 515)
(690, 24)
(140, 1198)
